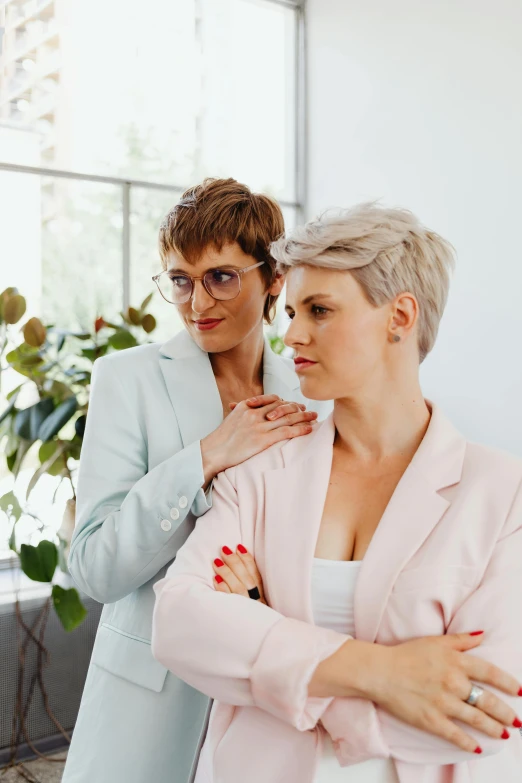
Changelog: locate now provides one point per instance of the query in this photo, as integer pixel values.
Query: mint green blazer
(139, 492)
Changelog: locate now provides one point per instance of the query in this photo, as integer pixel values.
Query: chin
(314, 390)
(213, 343)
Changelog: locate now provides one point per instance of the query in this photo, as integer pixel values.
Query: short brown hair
(220, 211)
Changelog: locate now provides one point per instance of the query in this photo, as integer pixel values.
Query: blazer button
(183, 502)
(165, 525)
(174, 513)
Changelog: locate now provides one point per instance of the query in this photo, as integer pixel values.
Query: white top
(333, 590)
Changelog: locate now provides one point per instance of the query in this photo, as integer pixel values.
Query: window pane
(148, 208)
(81, 252)
(205, 87)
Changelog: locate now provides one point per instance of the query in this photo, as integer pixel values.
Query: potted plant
(54, 367)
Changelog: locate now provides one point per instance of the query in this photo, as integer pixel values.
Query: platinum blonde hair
(388, 251)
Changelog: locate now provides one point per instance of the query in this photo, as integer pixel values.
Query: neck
(243, 364)
(385, 420)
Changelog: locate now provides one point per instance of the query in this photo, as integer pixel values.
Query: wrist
(354, 670)
(211, 461)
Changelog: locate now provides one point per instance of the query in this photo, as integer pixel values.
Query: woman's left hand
(236, 572)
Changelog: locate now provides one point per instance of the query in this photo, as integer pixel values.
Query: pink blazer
(446, 557)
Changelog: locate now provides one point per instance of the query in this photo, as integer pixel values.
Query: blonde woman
(383, 642)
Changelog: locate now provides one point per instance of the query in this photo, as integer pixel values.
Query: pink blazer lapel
(294, 501)
(412, 513)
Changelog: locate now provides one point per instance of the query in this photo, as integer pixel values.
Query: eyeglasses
(221, 283)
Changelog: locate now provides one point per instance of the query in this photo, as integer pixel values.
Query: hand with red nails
(252, 426)
(425, 683)
(237, 573)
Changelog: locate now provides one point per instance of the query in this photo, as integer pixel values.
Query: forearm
(115, 549)
(350, 672)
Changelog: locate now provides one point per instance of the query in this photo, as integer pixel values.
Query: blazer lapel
(191, 387)
(193, 390)
(294, 500)
(413, 511)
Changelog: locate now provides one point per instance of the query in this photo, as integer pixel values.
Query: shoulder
(284, 454)
(492, 473)
(492, 463)
(135, 362)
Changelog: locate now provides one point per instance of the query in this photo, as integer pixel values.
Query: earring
(395, 338)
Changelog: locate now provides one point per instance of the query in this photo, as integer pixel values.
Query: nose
(296, 334)
(201, 299)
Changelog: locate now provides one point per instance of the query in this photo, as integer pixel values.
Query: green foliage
(57, 364)
(68, 606)
(39, 562)
(277, 344)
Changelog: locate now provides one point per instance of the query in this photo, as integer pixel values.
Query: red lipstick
(302, 363)
(205, 324)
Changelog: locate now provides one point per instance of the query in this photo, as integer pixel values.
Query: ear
(277, 286)
(404, 313)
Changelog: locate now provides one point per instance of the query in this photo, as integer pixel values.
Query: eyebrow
(178, 271)
(311, 298)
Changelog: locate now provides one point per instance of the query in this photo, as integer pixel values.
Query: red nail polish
(517, 723)
(219, 579)
(219, 563)
(226, 550)
(505, 734)
(476, 633)
(478, 749)
(242, 549)
(520, 692)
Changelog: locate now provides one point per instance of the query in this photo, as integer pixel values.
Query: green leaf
(122, 339)
(48, 450)
(13, 308)
(12, 540)
(27, 422)
(5, 413)
(148, 323)
(19, 454)
(89, 353)
(79, 425)
(45, 467)
(10, 505)
(146, 302)
(60, 343)
(15, 391)
(62, 558)
(57, 390)
(60, 416)
(11, 459)
(69, 608)
(39, 562)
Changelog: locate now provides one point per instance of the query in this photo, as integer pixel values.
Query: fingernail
(505, 734)
(219, 579)
(517, 724)
(252, 399)
(478, 749)
(219, 563)
(270, 416)
(241, 548)
(520, 692)
(476, 633)
(226, 550)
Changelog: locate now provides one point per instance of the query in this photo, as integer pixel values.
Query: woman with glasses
(380, 641)
(163, 421)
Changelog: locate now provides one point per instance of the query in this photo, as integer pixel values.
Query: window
(100, 131)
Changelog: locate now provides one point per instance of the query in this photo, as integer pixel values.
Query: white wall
(420, 104)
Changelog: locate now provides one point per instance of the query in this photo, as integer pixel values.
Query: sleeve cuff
(282, 690)
(203, 501)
